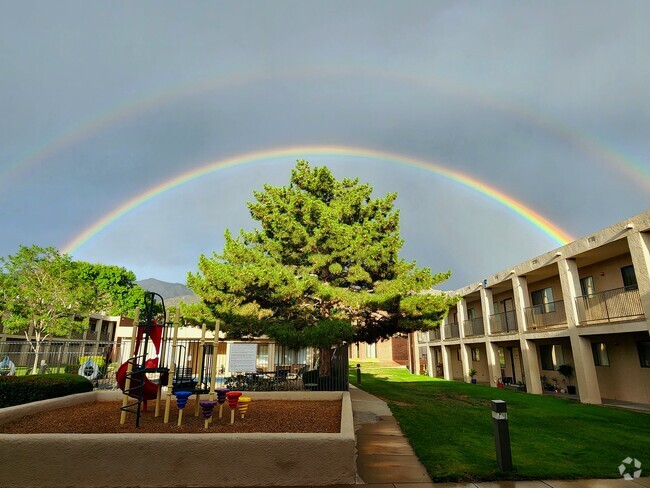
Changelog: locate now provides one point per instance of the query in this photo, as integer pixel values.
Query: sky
(134, 133)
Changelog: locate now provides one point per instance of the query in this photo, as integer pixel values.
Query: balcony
(503, 322)
(610, 306)
(473, 327)
(545, 315)
(451, 331)
(434, 335)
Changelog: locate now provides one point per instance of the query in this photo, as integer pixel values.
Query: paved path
(386, 460)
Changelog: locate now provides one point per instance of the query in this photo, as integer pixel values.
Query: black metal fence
(192, 362)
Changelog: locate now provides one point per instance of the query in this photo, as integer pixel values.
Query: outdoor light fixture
(558, 254)
(629, 226)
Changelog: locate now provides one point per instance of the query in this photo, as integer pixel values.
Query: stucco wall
(168, 460)
(606, 274)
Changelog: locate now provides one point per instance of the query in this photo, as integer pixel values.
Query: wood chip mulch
(262, 416)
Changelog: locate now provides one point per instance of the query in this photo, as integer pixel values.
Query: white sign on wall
(242, 358)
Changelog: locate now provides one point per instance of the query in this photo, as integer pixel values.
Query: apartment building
(586, 304)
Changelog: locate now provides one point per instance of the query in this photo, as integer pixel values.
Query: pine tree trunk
(325, 361)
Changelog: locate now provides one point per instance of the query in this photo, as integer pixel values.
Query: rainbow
(638, 172)
(543, 224)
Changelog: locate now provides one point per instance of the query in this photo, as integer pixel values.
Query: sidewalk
(386, 460)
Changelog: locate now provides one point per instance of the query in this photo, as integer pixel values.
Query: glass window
(587, 286)
(629, 278)
(476, 354)
(495, 307)
(601, 358)
(502, 358)
(644, 353)
(470, 313)
(262, 359)
(371, 351)
(543, 300)
(551, 356)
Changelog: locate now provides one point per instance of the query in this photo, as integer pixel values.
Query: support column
(446, 362)
(466, 360)
(529, 355)
(639, 243)
(491, 349)
(585, 369)
(431, 368)
(494, 367)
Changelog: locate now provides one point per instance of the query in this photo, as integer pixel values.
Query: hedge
(16, 390)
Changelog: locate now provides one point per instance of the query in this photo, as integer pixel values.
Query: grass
(449, 425)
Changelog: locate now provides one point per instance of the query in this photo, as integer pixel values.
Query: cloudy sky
(103, 102)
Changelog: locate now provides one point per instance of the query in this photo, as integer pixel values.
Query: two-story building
(586, 304)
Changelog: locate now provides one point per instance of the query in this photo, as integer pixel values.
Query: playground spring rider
(131, 375)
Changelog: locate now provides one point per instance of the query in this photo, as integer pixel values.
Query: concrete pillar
(639, 243)
(466, 360)
(583, 359)
(446, 363)
(494, 367)
(486, 307)
(529, 355)
(462, 317)
(431, 368)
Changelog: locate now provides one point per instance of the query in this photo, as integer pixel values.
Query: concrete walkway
(386, 460)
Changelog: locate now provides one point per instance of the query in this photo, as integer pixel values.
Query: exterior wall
(481, 366)
(458, 373)
(624, 378)
(400, 350)
(607, 274)
(553, 283)
(567, 353)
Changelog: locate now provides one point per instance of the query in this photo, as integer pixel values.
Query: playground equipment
(181, 401)
(169, 365)
(207, 408)
(221, 398)
(233, 400)
(243, 405)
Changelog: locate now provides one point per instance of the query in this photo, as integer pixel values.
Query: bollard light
(358, 374)
(501, 434)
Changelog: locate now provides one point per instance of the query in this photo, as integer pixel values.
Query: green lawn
(449, 425)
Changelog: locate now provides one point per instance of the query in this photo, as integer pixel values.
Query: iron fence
(545, 315)
(503, 322)
(473, 327)
(100, 362)
(451, 331)
(610, 305)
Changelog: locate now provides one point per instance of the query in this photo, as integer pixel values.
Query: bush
(16, 390)
(99, 360)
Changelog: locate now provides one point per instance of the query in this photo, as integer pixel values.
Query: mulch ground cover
(262, 416)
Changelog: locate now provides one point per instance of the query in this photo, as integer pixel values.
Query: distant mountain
(164, 289)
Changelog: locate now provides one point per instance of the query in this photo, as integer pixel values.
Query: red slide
(149, 389)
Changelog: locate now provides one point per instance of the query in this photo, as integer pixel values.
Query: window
(587, 286)
(644, 354)
(262, 359)
(371, 350)
(476, 354)
(502, 358)
(543, 300)
(470, 313)
(552, 357)
(600, 353)
(629, 278)
(495, 307)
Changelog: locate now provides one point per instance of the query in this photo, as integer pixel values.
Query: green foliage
(113, 288)
(322, 268)
(195, 315)
(249, 383)
(16, 390)
(42, 289)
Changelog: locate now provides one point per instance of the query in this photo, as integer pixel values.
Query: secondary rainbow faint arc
(542, 223)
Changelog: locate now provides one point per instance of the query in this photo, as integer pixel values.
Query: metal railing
(451, 331)
(434, 335)
(545, 315)
(503, 322)
(609, 305)
(473, 327)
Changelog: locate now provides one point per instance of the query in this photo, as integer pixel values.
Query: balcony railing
(545, 315)
(473, 327)
(610, 305)
(503, 322)
(434, 335)
(451, 331)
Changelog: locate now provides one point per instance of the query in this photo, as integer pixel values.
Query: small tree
(42, 295)
(324, 268)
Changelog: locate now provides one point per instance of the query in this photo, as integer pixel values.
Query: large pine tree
(323, 268)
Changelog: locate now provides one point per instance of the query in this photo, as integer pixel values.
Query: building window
(629, 278)
(601, 358)
(587, 286)
(644, 353)
(371, 351)
(543, 300)
(470, 313)
(476, 354)
(502, 358)
(262, 359)
(552, 357)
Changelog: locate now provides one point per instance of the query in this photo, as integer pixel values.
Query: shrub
(99, 360)
(16, 390)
